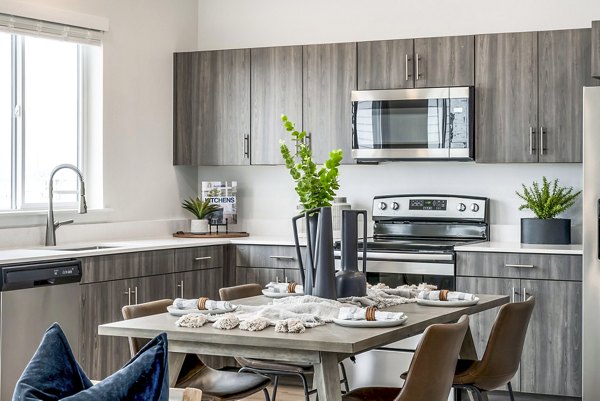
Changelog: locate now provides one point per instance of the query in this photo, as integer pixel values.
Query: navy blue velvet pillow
(53, 374)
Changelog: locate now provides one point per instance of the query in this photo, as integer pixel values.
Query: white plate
(180, 312)
(428, 302)
(370, 323)
(271, 294)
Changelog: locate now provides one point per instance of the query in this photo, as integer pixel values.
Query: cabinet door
(127, 265)
(201, 283)
(564, 69)
(329, 77)
(386, 64)
(212, 108)
(276, 89)
(202, 257)
(506, 97)
(258, 275)
(551, 361)
(447, 61)
(153, 288)
(481, 323)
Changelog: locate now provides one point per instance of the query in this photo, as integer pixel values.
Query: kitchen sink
(86, 248)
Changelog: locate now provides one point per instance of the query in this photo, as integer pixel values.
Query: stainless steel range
(413, 242)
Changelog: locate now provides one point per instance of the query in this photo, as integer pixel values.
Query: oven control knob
(474, 207)
(382, 205)
(395, 206)
(461, 207)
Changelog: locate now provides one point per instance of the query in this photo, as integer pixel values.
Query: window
(41, 119)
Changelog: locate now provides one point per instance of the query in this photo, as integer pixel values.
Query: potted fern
(546, 203)
(201, 209)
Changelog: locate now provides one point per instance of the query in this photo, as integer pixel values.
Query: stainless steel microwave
(413, 124)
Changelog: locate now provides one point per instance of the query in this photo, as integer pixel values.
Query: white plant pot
(199, 226)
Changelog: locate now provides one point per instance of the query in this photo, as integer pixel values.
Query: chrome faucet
(52, 225)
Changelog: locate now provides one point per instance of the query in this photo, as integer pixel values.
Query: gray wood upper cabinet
(385, 64)
(418, 63)
(596, 49)
(329, 76)
(564, 69)
(212, 108)
(506, 101)
(276, 89)
(445, 61)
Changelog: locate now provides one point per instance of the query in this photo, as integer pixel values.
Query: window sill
(33, 218)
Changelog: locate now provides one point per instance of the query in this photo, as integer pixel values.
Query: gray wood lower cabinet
(258, 275)
(196, 284)
(552, 354)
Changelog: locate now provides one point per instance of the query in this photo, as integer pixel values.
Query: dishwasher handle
(31, 275)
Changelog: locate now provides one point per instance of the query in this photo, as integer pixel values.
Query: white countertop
(515, 247)
(8, 256)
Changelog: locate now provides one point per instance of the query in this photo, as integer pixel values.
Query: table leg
(327, 378)
(175, 363)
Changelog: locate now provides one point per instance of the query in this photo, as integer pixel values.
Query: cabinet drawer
(519, 265)
(204, 257)
(283, 257)
(126, 265)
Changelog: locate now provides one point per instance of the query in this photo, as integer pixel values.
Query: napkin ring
(370, 313)
(202, 303)
(291, 287)
(444, 295)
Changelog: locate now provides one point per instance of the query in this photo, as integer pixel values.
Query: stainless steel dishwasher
(32, 297)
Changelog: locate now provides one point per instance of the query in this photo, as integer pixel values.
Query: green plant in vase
(201, 209)
(546, 202)
(315, 186)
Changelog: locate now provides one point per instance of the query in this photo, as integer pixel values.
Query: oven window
(396, 279)
(401, 124)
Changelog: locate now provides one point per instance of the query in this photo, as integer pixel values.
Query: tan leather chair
(268, 367)
(216, 385)
(429, 377)
(502, 353)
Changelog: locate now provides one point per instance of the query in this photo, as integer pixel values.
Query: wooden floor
(293, 393)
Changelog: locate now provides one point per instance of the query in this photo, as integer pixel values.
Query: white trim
(56, 15)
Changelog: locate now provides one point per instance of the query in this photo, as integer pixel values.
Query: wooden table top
(327, 338)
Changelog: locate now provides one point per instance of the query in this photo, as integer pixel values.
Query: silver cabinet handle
(309, 140)
(542, 146)
(180, 286)
(128, 293)
(514, 292)
(406, 60)
(279, 257)
(520, 266)
(203, 258)
(135, 293)
(246, 146)
(525, 294)
(417, 73)
(531, 138)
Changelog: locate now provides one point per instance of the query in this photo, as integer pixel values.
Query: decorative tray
(181, 234)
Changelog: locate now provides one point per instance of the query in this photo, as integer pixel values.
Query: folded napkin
(285, 288)
(201, 304)
(356, 313)
(445, 295)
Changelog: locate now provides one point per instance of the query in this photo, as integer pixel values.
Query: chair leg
(476, 391)
(266, 393)
(510, 391)
(305, 386)
(275, 386)
(344, 379)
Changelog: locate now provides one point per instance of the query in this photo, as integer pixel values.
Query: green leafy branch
(548, 201)
(316, 187)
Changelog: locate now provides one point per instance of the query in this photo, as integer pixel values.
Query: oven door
(404, 124)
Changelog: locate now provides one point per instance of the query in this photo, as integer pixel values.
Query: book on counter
(223, 194)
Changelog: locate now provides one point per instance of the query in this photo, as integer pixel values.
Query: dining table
(322, 346)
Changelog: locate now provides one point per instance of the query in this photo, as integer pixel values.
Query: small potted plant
(201, 209)
(546, 203)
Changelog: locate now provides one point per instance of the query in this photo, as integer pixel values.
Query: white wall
(266, 193)
(239, 23)
(140, 182)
